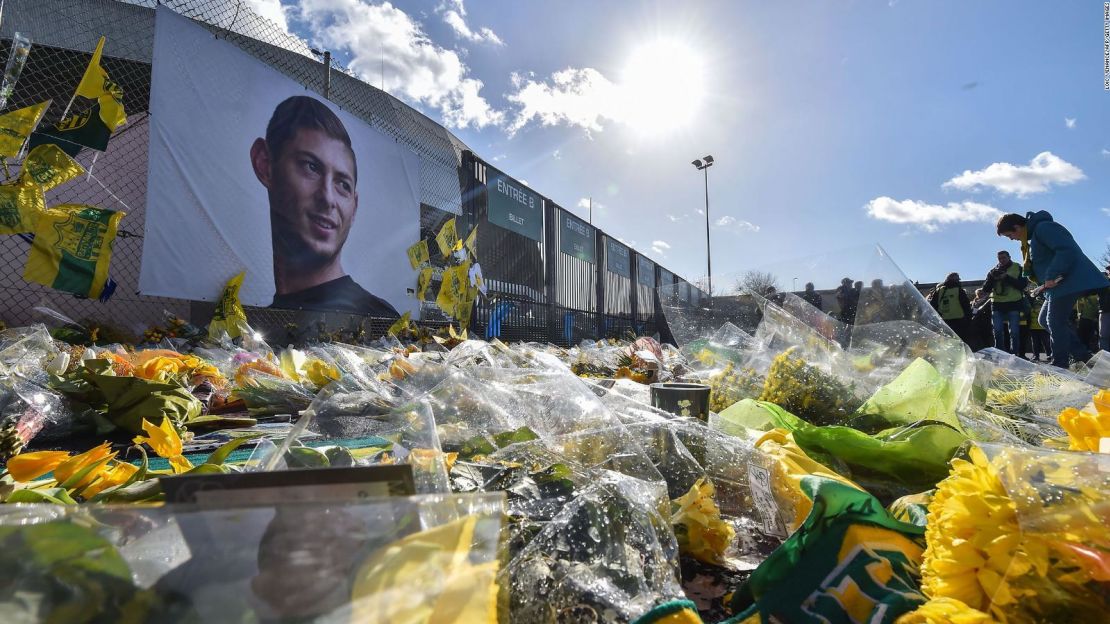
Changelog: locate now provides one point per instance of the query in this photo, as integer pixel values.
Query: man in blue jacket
(1053, 259)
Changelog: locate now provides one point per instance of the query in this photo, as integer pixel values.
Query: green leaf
(141, 491)
(305, 457)
(57, 496)
(139, 475)
(220, 455)
(524, 434)
(82, 473)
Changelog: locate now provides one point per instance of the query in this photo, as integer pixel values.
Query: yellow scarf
(1026, 258)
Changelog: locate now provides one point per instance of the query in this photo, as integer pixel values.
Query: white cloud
(574, 97)
(1042, 172)
(557, 155)
(929, 217)
(660, 247)
(1069, 122)
(454, 14)
(1105, 152)
(675, 219)
(416, 69)
(734, 225)
(1106, 211)
(271, 10)
(629, 243)
(584, 204)
(499, 157)
(525, 183)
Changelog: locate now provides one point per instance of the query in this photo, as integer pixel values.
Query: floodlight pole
(703, 164)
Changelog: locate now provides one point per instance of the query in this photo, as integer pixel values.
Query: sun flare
(662, 86)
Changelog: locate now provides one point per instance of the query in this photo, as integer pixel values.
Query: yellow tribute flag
(448, 238)
(472, 242)
(229, 315)
(17, 125)
(72, 249)
(96, 85)
(21, 203)
(427, 577)
(419, 255)
(400, 325)
(422, 282)
(48, 166)
(454, 288)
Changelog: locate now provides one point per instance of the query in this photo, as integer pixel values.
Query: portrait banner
(249, 171)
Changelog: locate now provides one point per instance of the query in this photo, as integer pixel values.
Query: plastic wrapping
(427, 558)
(1019, 533)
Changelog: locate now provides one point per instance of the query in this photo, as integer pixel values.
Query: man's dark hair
(303, 112)
(1008, 222)
(1004, 252)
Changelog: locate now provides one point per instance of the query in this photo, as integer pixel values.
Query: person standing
(1038, 336)
(982, 331)
(1104, 315)
(950, 300)
(1005, 284)
(1057, 262)
(846, 299)
(1087, 324)
(811, 296)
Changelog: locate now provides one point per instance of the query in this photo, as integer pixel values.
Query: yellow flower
(701, 532)
(160, 368)
(243, 374)
(166, 443)
(320, 373)
(975, 549)
(28, 466)
(99, 457)
(118, 474)
(1086, 428)
(945, 611)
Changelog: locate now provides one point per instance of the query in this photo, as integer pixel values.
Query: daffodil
(945, 611)
(95, 460)
(320, 373)
(699, 528)
(166, 443)
(117, 474)
(27, 466)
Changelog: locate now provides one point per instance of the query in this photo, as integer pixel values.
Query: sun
(662, 87)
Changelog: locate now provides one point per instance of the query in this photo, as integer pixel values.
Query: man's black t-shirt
(339, 295)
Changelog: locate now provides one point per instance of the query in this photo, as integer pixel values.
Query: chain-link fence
(524, 301)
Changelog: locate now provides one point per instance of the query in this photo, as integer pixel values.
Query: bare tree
(758, 282)
(1104, 259)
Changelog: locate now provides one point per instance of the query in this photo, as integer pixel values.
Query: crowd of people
(1053, 306)
(1056, 303)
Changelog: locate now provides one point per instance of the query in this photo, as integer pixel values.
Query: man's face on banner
(312, 195)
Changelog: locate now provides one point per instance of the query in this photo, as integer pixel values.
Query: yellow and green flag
(96, 85)
(17, 125)
(21, 204)
(419, 255)
(472, 242)
(229, 315)
(422, 282)
(448, 239)
(453, 289)
(49, 166)
(400, 325)
(72, 248)
(88, 127)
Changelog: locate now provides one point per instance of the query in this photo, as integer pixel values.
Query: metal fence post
(549, 251)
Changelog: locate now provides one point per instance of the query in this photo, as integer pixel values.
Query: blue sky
(906, 123)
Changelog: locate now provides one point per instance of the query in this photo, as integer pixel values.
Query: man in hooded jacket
(1053, 258)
